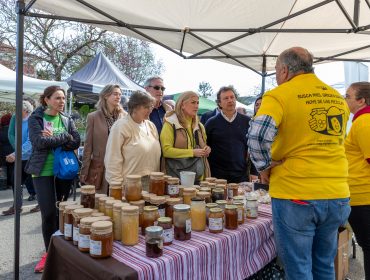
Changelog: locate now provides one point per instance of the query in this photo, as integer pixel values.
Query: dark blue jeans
(306, 236)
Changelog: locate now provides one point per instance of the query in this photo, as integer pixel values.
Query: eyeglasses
(158, 88)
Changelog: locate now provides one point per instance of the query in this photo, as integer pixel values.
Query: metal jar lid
(181, 207)
(154, 229)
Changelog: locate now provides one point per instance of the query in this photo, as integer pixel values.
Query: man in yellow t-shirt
(296, 143)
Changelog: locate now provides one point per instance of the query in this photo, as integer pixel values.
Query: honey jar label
(168, 235)
(68, 230)
(162, 212)
(172, 189)
(95, 247)
(215, 223)
(188, 225)
(75, 233)
(84, 241)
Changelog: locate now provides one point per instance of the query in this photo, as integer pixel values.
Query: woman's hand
(47, 133)
(207, 149)
(199, 152)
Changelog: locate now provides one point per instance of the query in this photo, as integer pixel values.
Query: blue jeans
(306, 236)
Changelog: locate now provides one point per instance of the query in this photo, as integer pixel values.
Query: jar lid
(69, 208)
(111, 202)
(215, 210)
(138, 202)
(164, 220)
(158, 175)
(119, 205)
(233, 185)
(205, 189)
(173, 180)
(211, 179)
(203, 183)
(221, 181)
(87, 188)
(115, 187)
(63, 204)
(144, 192)
(211, 205)
(89, 220)
(231, 207)
(82, 212)
(146, 196)
(221, 202)
(154, 229)
(150, 208)
(252, 198)
(197, 199)
(105, 218)
(220, 186)
(157, 199)
(166, 177)
(238, 203)
(189, 189)
(99, 195)
(173, 201)
(239, 197)
(97, 214)
(211, 185)
(218, 190)
(130, 209)
(133, 177)
(197, 187)
(102, 225)
(104, 198)
(203, 194)
(181, 207)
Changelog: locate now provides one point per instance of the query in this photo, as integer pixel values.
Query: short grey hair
(149, 81)
(139, 98)
(27, 107)
(297, 62)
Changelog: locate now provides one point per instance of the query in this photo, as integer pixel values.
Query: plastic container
(187, 178)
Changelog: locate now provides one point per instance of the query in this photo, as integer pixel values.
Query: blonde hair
(118, 111)
(185, 96)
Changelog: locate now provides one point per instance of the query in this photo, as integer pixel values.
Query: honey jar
(61, 207)
(208, 207)
(130, 225)
(78, 214)
(198, 214)
(88, 196)
(160, 202)
(101, 239)
(117, 228)
(232, 190)
(84, 233)
(68, 221)
(154, 241)
(216, 216)
(188, 194)
(169, 206)
(218, 194)
(150, 217)
(109, 206)
(140, 204)
(102, 201)
(157, 183)
(240, 211)
(211, 179)
(173, 187)
(231, 217)
(182, 222)
(205, 195)
(115, 192)
(166, 224)
(133, 188)
(97, 196)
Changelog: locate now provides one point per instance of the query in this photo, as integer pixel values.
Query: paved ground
(32, 244)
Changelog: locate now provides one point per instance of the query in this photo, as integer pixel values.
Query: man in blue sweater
(226, 136)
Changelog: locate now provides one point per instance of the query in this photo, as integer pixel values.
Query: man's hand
(265, 174)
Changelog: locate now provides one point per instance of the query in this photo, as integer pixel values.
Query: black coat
(5, 147)
(207, 115)
(69, 140)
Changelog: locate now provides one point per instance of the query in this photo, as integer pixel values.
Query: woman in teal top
(49, 128)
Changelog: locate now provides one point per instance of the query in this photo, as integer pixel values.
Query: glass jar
(208, 207)
(231, 217)
(166, 177)
(101, 239)
(166, 224)
(160, 202)
(222, 186)
(216, 217)
(198, 214)
(102, 201)
(232, 190)
(188, 194)
(154, 241)
(84, 233)
(97, 197)
(156, 183)
(115, 192)
(217, 194)
(109, 206)
(169, 206)
(78, 214)
(117, 235)
(205, 195)
(182, 222)
(130, 225)
(251, 209)
(173, 187)
(140, 204)
(68, 221)
(241, 211)
(88, 196)
(150, 217)
(203, 184)
(61, 207)
(181, 190)
(211, 179)
(133, 188)
(239, 198)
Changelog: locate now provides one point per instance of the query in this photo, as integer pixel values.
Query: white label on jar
(83, 241)
(162, 212)
(188, 225)
(75, 233)
(173, 189)
(68, 230)
(240, 215)
(168, 235)
(95, 247)
(230, 193)
(215, 223)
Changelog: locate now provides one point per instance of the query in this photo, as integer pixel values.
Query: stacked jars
(133, 188)
(101, 239)
(61, 207)
(88, 196)
(78, 214)
(68, 221)
(157, 183)
(198, 214)
(182, 222)
(130, 225)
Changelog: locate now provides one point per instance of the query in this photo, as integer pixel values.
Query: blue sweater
(156, 116)
(228, 141)
(26, 144)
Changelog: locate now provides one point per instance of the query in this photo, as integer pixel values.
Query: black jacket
(207, 115)
(42, 145)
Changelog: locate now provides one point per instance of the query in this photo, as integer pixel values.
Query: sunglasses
(158, 88)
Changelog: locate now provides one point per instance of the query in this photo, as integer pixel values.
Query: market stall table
(233, 254)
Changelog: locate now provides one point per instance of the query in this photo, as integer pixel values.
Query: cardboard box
(341, 259)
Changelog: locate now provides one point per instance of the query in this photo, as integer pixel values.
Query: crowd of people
(296, 142)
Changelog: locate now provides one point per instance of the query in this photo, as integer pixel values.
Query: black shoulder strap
(174, 133)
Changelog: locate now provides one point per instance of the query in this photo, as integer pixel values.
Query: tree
(205, 89)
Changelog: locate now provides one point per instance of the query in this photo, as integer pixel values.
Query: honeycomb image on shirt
(328, 122)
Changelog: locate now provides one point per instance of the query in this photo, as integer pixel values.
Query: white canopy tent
(31, 86)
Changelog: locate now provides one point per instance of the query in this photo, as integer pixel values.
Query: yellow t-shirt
(357, 146)
(311, 118)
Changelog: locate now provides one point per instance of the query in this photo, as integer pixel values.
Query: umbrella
(205, 105)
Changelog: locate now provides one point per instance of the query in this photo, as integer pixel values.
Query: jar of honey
(188, 194)
(198, 214)
(109, 206)
(208, 207)
(157, 183)
(101, 239)
(154, 241)
(84, 233)
(205, 195)
(97, 197)
(182, 222)
(150, 217)
(169, 206)
(240, 211)
(173, 187)
(216, 216)
(231, 217)
(140, 204)
(130, 225)
(102, 201)
(165, 177)
(232, 190)
(115, 192)
(61, 207)
(251, 208)
(166, 224)
(181, 190)
(218, 194)
(88, 196)
(160, 202)
(68, 221)
(211, 179)
(133, 188)
(221, 204)
(78, 214)
(117, 228)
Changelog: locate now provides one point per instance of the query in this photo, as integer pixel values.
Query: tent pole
(263, 74)
(18, 133)
(70, 103)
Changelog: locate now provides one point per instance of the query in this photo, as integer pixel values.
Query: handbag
(65, 165)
